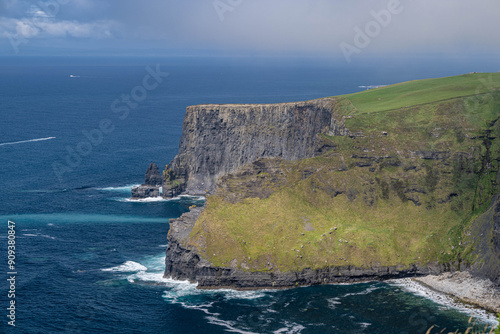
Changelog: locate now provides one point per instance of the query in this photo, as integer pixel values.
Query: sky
(324, 28)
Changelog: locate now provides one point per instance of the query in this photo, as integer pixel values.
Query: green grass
(372, 207)
(419, 92)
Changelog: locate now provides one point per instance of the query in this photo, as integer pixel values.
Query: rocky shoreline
(465, 287)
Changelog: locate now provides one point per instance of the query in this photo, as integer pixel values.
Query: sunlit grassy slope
(404, 189)
(424, 91)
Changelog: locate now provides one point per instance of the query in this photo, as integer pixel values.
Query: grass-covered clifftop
(419, 164)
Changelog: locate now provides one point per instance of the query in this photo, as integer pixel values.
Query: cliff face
(486, 234)
(217, 139)
(340, 189)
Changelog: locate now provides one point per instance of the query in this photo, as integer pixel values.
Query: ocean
(89, 260)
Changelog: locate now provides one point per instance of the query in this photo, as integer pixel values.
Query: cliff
(392, 182)
(217, 139)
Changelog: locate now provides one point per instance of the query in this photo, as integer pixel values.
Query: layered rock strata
(217, 139)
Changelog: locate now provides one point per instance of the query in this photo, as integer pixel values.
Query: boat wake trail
(26, 141)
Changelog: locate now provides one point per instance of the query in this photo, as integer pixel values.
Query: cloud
(25, 30)
(45, 27)
(315, 27)
(312, 26)
(101, 29)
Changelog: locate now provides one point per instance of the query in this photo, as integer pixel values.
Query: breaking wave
(127, 267)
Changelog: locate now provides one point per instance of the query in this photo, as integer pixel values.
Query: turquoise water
(88, 260)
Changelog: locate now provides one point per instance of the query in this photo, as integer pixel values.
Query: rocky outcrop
(183, 262)
(145, 192)
(153, 177)
(217, 139)
(485, 233)
(151, 186)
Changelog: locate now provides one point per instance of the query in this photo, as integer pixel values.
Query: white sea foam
(145, 276)
(411, 286)
(364, 292)
(333, 302)
(177, 290)
(229, 325)
(150, 270)
(364, 325)
(290, 328)
(160, 199)
(39, 235)
(188, 296)
(181, 289)
(120, 189)
(248, 295)
(142, 200)
(155, 263)
(127, 267)
(26, 141)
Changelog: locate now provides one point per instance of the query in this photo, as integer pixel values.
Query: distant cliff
(217, 139)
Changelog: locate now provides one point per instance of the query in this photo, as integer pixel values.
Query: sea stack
(152, 184)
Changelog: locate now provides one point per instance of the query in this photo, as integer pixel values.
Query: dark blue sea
(88, 260)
